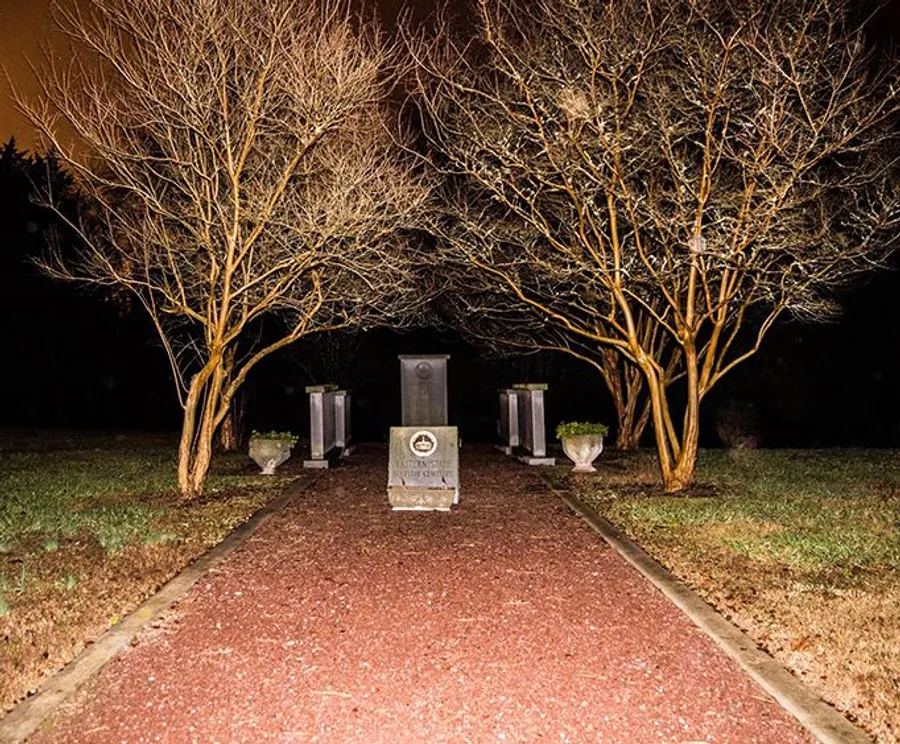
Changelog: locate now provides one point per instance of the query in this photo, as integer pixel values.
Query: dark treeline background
(74, 358)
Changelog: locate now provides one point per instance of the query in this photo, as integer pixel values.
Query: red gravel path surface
(504, 620)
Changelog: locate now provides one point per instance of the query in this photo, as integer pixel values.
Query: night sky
(73, 360)
(24, 26)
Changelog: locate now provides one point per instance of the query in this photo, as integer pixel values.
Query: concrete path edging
(28, 715)
(813, 713)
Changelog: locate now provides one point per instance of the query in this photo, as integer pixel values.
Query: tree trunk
(630, 426)
(201, 458)
(186, 445)
(626, 438)
(201, 409)
(686, 462)
(194, 454)
(630, 431)
(229, 436)
(635, 417)
(625, 384)
(231, 430)
(677, 450)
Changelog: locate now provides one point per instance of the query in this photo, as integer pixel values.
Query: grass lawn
(90, 525)
(801, 549)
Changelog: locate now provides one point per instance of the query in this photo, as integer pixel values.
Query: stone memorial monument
(423, 383)
(532, 436)
(521, 425)
(342, 423)
(509, 421)
(329, 424)
(423, 472)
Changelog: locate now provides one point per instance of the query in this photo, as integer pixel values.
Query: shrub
(576, 428)
(280, 435)
(739, 425)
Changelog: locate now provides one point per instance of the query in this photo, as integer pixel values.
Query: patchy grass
(90, 525)
(799, 548)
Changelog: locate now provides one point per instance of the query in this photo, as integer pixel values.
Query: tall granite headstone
(329, 424)
(532, 437)
(423, 382)
(423, 472)
(509, 421)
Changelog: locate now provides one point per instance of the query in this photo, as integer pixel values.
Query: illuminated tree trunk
(230, 430)
(625, 383)
(677, 450)
(686, 463)
(631, 426)
(187, 445)
(205, 407)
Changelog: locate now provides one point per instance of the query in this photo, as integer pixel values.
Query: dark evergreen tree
(68, 360)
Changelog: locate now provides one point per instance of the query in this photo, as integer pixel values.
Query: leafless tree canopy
(242, 162)
(703, 166)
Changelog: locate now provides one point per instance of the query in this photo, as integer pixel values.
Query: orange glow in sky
(25, 25)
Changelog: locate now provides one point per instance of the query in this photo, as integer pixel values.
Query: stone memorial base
(322, 464)
(532, 460)
(423, 472)
(420, 499)
(331, 460)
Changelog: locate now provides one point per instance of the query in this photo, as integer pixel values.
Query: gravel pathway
(504, 620)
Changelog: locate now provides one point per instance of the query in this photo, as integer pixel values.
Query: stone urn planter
(271, 449)
(582, 443)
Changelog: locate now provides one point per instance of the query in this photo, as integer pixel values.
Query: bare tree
(242, 167)
(703, 166)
